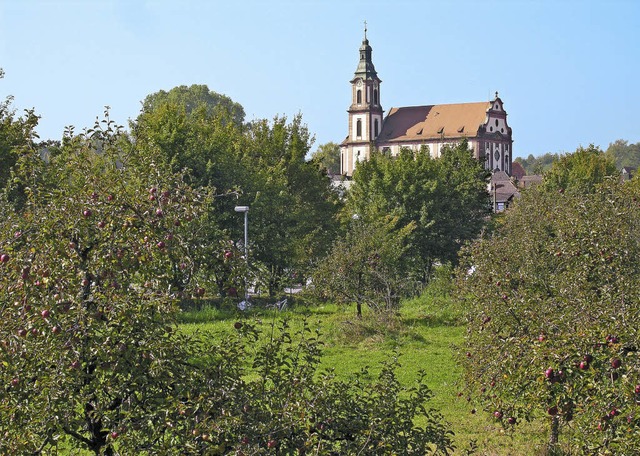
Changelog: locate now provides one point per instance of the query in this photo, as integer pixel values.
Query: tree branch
(76, 436)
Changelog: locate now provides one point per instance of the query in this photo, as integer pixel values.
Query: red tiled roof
(414, 123)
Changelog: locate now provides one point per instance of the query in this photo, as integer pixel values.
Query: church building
(483, 124)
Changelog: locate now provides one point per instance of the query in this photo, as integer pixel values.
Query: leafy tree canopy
(17, 135)
(624, 154)
(552, 296)
(537, 165)
(580, 171)
(445, 198)
(192, 128)
(193, 98)
(261, 164)
(328, 157)
(293, 205)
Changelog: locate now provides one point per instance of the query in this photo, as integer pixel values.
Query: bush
(287, 404)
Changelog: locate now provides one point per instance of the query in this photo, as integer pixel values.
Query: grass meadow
(424, 333)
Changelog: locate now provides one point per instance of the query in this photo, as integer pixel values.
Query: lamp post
(245, 209)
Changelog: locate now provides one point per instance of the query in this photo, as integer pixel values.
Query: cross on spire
(365, 30)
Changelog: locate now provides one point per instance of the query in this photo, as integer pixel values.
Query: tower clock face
(359, 83)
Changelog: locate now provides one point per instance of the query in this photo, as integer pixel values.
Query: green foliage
(580, 171)
(193, 98)
(293, 206)
(552, 299)
(328, 157)
(537, 165)
(191, 128)
(292, 408)
(624, 154)
(16, 136)
(446, 199)
(93, 266)
(366, 266)
(262, 165)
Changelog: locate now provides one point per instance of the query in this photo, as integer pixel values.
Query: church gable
(496, 123)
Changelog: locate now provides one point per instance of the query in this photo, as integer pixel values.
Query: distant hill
(620, 151)
(624, 154)
(537, 165)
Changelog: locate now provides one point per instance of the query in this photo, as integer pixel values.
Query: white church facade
(483, 124)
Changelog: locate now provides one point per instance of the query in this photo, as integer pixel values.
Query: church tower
(365, 112)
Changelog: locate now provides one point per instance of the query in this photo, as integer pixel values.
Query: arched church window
(375, 96)
(359, 96)
(359, 127)
(375, 129)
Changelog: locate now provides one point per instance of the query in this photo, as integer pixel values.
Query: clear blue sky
(568, 71)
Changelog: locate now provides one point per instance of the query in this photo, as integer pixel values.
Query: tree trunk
(553, 435)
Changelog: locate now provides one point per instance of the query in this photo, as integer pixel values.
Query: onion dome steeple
(365, 69)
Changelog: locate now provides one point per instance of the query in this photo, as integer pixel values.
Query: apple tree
(91, 266)
(366, 267)
(287, 405)
(552, 299)
(16, 135)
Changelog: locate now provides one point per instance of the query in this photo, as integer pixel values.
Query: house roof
(517, 170)
(502, 187)
(415, 123)
(528, 181)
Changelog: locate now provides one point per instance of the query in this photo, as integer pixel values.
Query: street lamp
(245, 209)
